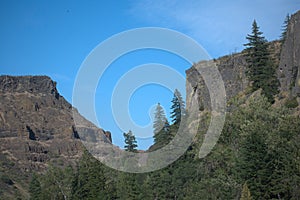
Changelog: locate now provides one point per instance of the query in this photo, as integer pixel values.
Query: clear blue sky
(54, 37)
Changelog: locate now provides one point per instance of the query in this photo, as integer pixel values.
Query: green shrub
(5, 179)
(291, 103)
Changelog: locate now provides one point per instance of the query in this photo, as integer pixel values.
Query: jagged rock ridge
(37, 126)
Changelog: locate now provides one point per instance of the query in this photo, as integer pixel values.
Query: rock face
(233, 70)
(30, 105)
(37, 126)
(289, 68)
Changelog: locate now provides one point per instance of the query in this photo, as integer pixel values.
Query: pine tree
(253, 153)
(128, 186)
(285, 27)
(261, 69)
(130, 142)
(253, 163)
(178, 108)
(89, 181)
(166, 128)
(160, 121)
(57, 183)
(35, 188)
(166, 134)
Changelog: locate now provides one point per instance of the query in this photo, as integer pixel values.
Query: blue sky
(54, 37)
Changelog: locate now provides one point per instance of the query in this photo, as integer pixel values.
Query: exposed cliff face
(233, 69)
(37, 126)
(28, 105)
(289, 68)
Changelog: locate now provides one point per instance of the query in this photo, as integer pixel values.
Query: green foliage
(257, 157)
(178, 107)
(130, 142)
(56, 183)
(252, 161)
(291, 103)
(161, 126)
(261, 70)
(159, 118)
(266, 150)
(285, 28)
(35, 188)
(90, 180)
(129, 186)
(5, 179)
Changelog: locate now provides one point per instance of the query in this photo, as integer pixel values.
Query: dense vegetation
(256, 157)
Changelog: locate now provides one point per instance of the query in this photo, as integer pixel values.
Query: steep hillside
(36, 130)
(257, 153)
(233, 68)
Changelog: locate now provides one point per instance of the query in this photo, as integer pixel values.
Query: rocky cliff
(289, 68)
(36, 128)
(233, 70)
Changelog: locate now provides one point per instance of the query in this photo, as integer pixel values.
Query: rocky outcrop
(36, 124)
(30, 84)
(289, 68)
(233, 68)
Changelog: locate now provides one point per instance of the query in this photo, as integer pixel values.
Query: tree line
(256, 157)
(163, 132)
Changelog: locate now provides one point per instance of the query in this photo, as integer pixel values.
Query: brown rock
(37, 126)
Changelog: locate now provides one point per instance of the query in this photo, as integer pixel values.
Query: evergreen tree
(57, 183)
(258, 150)
(261, 69)
(35, 188)
(130, 142)
(253, 154)
(160, 121)
(285, 27)
(128, 186)
(178, 108)
(166, 127)
(283, 150)
(90, 180)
